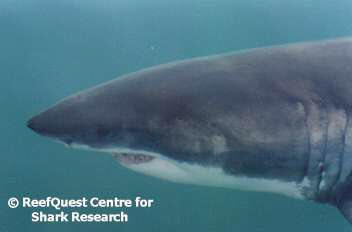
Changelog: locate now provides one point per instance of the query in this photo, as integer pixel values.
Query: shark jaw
(144, 162)
(157, 165)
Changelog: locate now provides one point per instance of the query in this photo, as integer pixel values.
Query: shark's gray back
(281, 113)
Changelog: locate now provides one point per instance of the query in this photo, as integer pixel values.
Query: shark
(271, 119)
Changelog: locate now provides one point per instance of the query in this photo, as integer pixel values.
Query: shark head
(172, 122)
(144, 121)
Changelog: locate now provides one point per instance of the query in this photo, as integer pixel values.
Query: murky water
(49, 49)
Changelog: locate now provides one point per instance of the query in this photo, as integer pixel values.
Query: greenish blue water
(49, 49)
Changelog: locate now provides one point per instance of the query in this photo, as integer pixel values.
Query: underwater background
(50, 49)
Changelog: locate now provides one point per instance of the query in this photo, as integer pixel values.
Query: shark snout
(37, 125)
(73, 121)
(57, 121)
(49, 125)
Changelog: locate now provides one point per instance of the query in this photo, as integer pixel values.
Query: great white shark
(273, 119)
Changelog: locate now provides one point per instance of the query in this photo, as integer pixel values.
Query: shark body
(274, 119)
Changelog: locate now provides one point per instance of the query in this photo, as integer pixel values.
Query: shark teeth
(132, 158)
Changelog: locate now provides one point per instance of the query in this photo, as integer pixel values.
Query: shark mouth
(134, 158)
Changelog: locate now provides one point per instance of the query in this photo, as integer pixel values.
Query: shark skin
(273, 119)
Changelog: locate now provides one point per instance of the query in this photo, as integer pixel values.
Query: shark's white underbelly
(213, 176)
(182, 172)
